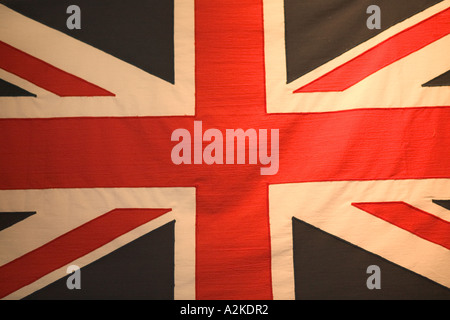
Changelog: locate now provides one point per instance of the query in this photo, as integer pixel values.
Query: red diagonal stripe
(382, 55)
(45, 75)
(414, 220)
(71, 246)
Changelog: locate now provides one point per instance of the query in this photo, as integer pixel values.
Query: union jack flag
(86, 176)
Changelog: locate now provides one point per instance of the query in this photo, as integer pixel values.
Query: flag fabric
(253, 149)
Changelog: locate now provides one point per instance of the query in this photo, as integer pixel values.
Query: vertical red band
(233, 238)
